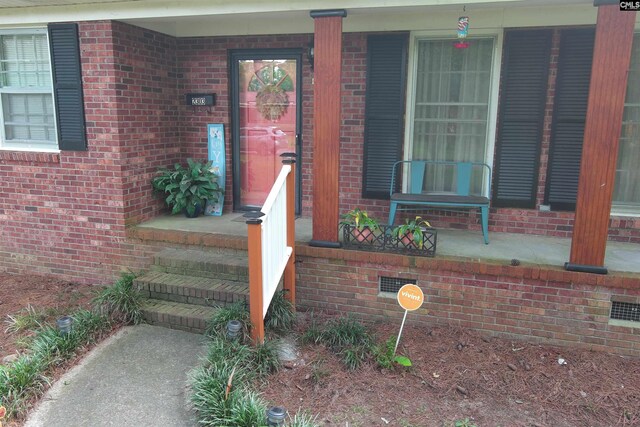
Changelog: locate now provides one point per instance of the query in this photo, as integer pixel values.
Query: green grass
(265, 358)
(121, 301)
(217, 325)
(26, 319)
(345, 336)
(345, 332)
(280, 315)
(242, 406)
(302, 419)
(26, 378)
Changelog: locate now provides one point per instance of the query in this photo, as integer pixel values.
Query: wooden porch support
(611, 57)
(326, 126)
(289, 279)
(254, 239)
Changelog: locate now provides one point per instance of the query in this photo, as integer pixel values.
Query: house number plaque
(201, 99)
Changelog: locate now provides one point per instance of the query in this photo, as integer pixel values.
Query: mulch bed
(41, 292)
(460, 374)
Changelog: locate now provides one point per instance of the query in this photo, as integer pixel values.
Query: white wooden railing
(271, 234)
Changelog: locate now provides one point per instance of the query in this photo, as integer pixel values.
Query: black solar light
(233, 330)
(275, 416)
(64, 325)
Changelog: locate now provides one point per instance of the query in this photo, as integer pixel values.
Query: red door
(267, 125)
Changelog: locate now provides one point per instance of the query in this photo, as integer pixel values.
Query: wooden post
(611, 58)
(326, 125)
(290, 270)
(254, 235)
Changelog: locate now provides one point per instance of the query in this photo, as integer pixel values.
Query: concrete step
(218, 265)
(191, 289)
(174, 315)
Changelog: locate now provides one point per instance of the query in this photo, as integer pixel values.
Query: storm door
(266, 121)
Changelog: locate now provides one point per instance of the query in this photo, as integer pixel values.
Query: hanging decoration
(272, 102)
(463, 32)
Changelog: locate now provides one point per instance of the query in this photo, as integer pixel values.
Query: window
(626, 194)
(451, 105)
(27, 117)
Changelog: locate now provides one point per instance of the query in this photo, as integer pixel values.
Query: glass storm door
(266, 122)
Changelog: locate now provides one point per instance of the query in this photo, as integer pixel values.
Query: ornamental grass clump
(122, 302)
(26, 378)
(22, 381)
(221, 389)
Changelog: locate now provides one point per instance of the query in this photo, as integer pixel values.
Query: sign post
(410, 297)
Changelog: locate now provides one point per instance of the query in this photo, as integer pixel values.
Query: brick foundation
(536, 303)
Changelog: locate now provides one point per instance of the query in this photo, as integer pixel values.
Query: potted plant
(362, 225)
(412, 232)
(188, 188)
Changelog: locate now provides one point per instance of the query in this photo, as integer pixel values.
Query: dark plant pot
(196, 212)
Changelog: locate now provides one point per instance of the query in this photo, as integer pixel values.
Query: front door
(266, 121)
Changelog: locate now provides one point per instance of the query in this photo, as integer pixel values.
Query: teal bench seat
(463, 174)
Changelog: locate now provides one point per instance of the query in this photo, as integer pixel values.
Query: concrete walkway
(135, 378)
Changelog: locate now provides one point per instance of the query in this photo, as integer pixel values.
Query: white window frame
(629, 211)
(3, 136)
(492, 113)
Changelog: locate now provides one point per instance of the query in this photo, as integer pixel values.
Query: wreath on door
(271, 84)
(272, 102)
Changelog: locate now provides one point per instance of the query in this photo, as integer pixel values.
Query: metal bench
(464, 175)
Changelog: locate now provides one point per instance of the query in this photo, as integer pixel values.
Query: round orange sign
(410, 297)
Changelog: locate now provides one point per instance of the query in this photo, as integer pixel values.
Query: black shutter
(384, 111)
(67, 86)
(522, 103)
(569, 115)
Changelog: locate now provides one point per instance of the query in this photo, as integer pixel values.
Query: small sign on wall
(216, 150)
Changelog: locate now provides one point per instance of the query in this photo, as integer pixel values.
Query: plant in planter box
(188, 188)
(412, 232)
(363, 225)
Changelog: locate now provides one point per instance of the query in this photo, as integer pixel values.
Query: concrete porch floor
(623, 257)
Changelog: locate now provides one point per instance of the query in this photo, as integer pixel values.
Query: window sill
(29, 156)
(625, 212)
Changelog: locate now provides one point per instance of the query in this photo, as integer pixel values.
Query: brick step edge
(202, 264)
(173, 315)
(190, 289)
(241, 275)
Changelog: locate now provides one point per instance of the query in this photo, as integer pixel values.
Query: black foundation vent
(625, 311)
(393, 284)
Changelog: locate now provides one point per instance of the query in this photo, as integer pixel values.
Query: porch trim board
(612, 53)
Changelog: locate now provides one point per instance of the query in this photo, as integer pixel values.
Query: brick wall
(537, 303)
(66, 213)
(146, 99)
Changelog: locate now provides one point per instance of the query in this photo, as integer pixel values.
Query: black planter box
(382, 240)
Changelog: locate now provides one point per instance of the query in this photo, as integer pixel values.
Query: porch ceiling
(224, 17)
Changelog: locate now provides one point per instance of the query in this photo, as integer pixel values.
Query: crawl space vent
(625, 311)
(393, 284)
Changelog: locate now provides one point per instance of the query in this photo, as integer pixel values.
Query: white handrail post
(289, 283)
(254, 231)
